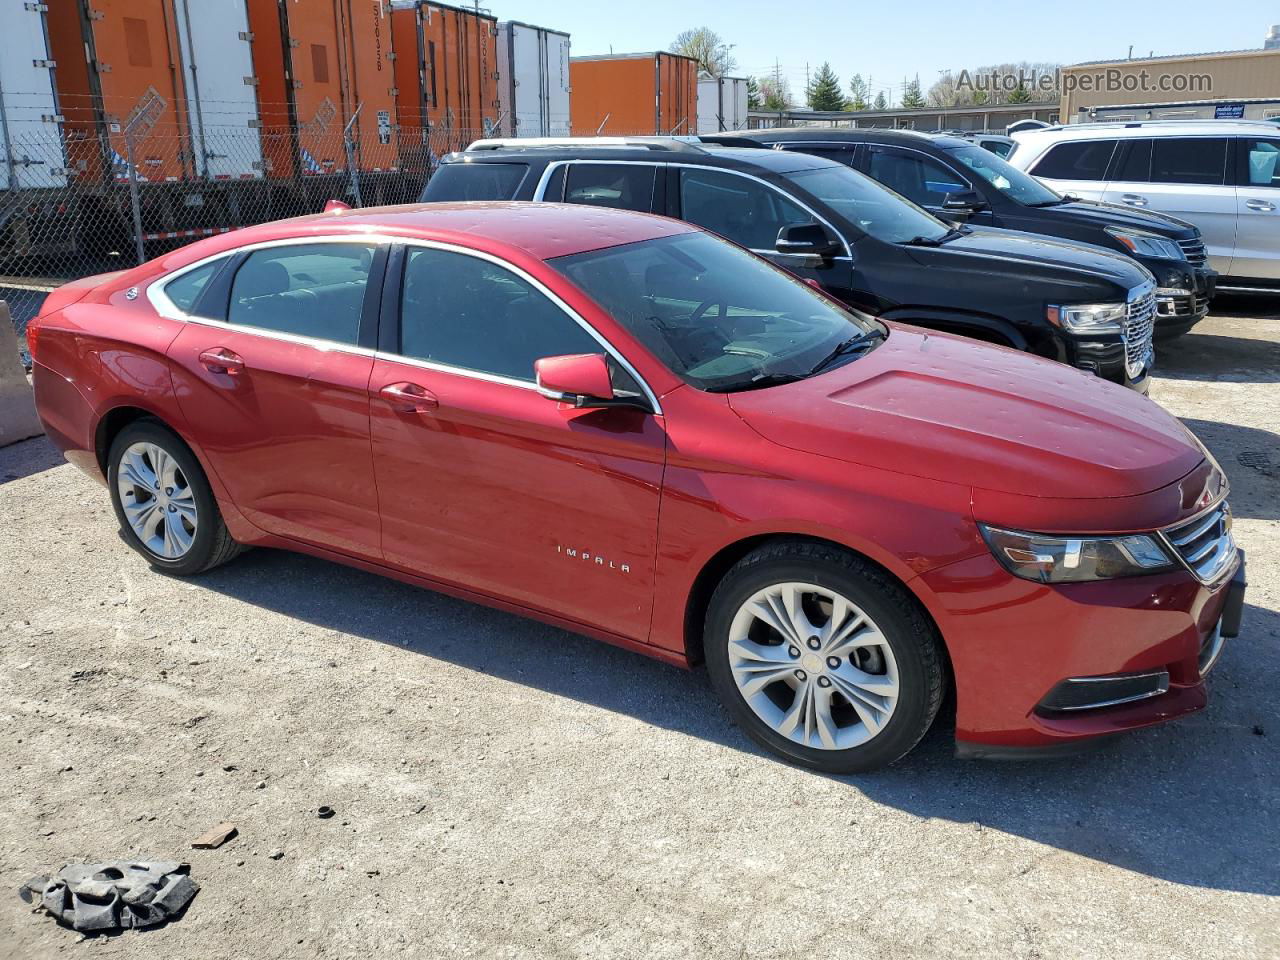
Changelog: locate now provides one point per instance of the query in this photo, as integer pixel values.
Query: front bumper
(1104, 356)
(1012, 642)
(1176, 313)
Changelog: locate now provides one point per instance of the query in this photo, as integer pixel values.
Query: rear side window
(475, 181)
(185, 290)
(1261, 160)
(838, 154)
(1189, 160)
(1136, 165)
(624, 186)
(309, 290)
(468, 312)
(1080, 160)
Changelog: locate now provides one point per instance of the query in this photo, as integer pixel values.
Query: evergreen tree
(881, 101)
(1020, 95)
(753, 94)
(912, 99)
(859, 94)
(824, 91)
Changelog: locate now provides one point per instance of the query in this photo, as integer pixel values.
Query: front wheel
(164, 502)
(823, 658)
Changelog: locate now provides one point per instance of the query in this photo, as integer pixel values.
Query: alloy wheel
(159, 504)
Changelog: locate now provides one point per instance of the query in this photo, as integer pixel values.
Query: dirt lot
(504, 789)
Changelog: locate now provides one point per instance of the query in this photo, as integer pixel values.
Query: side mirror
(963, 202)
(807, 239)
(581, 379)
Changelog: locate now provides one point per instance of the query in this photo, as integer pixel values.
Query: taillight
(33, 336)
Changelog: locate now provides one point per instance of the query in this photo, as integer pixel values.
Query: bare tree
(708, 48)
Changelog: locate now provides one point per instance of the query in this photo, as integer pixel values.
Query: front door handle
(407, 397)
(1134, 200)
(222, 360)
(1264, 206)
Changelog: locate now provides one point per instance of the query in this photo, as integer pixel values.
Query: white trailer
(32, 155)
(533, 81)
(223, 109)
(722, 103)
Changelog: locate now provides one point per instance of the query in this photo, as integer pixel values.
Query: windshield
(1005, 177)
(873, 208)
(720, 318)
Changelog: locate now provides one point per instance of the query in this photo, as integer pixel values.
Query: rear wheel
(164, 503)
(823, 658)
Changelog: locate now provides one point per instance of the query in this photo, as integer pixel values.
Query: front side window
(1261, 158)
(465, 311)
(624, 186)
(718, 317)
(871, 207)
(1005, 177)
(739, 208)
(185, 290)
(1077, 160)
(1189, 160)
(307, 289)
(920, 179)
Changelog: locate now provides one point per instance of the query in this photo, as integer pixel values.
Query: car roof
(1127, 129)
(541, 230)
(944, 139)
(703, 154)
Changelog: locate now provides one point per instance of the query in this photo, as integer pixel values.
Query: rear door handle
(407, 397)
(1266, 206)
(222, 360)
(1134, 200)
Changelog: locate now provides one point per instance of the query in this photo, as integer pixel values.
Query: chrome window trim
(167, 308)
(540, 192)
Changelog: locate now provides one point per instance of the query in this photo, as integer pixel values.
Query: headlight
(1147, 244)
(1089, 317)
(1033, 556)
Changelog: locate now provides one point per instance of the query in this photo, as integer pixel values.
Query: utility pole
(808, 91)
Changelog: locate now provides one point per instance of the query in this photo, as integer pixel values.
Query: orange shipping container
(446, 71)
(634, 93)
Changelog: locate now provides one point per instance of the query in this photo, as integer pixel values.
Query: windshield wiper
(846, 347)
(1055, 202)
(757, 382)
(923, 241)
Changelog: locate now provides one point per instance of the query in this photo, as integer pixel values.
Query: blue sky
(891, 38)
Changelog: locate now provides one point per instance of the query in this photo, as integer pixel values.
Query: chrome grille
(1139, 322)
(1190, 305)
(1205, 543)
(1193, 249)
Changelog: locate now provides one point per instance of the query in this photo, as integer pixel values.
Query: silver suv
(1221, 175)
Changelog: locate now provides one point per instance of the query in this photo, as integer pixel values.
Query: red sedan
(629, 428)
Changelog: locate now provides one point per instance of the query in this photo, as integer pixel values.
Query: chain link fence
(73, 205)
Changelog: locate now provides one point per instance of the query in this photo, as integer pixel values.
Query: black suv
(863, 244)
(953, 177)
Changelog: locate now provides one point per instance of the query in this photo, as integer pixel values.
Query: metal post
(352, 172)
(134, 201)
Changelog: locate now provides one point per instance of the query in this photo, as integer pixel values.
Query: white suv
(1221, 175)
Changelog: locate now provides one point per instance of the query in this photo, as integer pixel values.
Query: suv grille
(1138, 325)
(1205, 543)
(1193, 250)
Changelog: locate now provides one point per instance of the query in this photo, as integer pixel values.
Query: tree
(859, 94)
(881, 101)
(824, 91)
(775, 91)
(708, 48)
(1020, 95)
(911, 96)
(753, 94)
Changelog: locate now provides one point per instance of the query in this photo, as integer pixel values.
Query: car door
(750, 212)
(922, 179)
(272, 376)
(484, 483)
(1076, 167)
(1186, 177)
(1257, 251)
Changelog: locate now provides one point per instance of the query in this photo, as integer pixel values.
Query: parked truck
(533, 81)
(634, 93)
(722, 104)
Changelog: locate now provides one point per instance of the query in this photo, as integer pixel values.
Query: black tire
(923, 673)
(212, 544)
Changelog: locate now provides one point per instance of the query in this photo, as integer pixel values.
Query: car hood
(1038, 254)
(951, 409)
(1117, 215)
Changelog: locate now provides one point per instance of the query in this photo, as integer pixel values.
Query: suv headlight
(1089, 317)
(1034, 556)
(1147, 244)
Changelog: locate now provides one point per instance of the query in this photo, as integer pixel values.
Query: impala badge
(574, 553)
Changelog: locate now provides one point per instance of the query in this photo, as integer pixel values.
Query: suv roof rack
(1183, 121)
(677, 144)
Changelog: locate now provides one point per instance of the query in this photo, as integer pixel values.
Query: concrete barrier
(18, 419)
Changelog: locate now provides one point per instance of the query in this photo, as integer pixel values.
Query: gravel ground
(505, 789)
